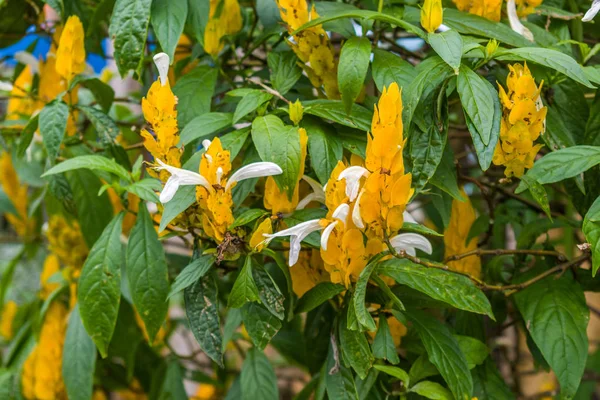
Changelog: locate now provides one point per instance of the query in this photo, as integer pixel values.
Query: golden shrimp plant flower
(227, 22)
(214, 185)
(70, 55)
(431, 15)
(523, 121)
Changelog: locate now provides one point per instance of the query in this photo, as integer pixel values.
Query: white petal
(306, 200)
(295, 247)
(170, 189)
(180, 177)
(515, 22)
(409, 242)
(206, 144)
(254, 170)
(28, 59)
(408, 217)
(6, 86)
(316, 188)
(356, 217)
(162, 64)
(341, 212)
(352, 176)
(591, 13)
(326, 233)
(297, 234)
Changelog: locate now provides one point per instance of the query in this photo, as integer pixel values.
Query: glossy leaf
(258, 380)
(260, 324)
(285, 71)
(192, 102)
(352, 69)
(203, 126)
(53, 123)
(129, 29)
(449, 46)
(168, 19)
(244, 289)
(92, 162)
(79, 359)
(318, 295)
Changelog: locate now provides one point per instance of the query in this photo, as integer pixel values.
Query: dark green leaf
(244, 289)
(318, 295)
(383, 345)
(92, 162)
(591, 230)
(449, 46)
(129, 29)
(168, 19)
(27, 135)
(285, 71)
(184, 198)
(355, 348)
(205, 125)
(146, 189)
(193, 102)
(99, 289)
(268, 291)
(431, 390)
(248, 216)
(103, 93)
(249, 103)
(360, 308)
(412, 227)
(324, 147)
(338, 379)
(258, 379)
(107, 128)
(486, 152)
(359, 118)
(396, 372)
(352, 69)
(388, 68)
(538, 193)
(477, 101)
(79, 360)
(192, 273)
(53, 123)
(260, 324)
(488, 384)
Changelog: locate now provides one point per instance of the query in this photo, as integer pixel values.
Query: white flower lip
(356, 217)
(352, 176)
(297, 233)
(409, 242)
(318, 193)
(162, 62)
(326, 233)
(254, 170)
(180, 177)
(591, 13)
(515, 22)
(6, 86)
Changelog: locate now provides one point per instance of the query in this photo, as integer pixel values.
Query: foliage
(388, 199)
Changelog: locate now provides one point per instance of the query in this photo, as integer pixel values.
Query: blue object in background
(42, 45)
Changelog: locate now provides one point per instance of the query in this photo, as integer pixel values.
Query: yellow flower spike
(462, 218)
(431, 15)
(21, 105)
(70, 55)
(522, 123)
(213, 33)
(6, 321)
(489, 9)
(257, 238)
(42, 371)
(66, 241)
(51, 266)
(308, 272)
(228, 22)
(296, 112)
(17, 194)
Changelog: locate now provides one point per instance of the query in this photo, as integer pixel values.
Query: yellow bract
(70, 55)
(522, 122)
(6, 319)
(276, 199)
(312, 46)
(66, 241)
(307, 272)
(51, 266)
(455, 237)
(17, 194)
(42, 371)
(257, 238)
(227, 22)
(21, 105)
(431, 15)
(489, 9)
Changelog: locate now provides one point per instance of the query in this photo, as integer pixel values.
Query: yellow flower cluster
(522, 122)
(21, 104)
(462, 218)
(226, 22)
(66, 241)
(70, 56)
(308, 272)
(9, 311)
(42, 371)
(492, 9)
(312, 46)
(431, 15)
(159, 108)
(17, 194)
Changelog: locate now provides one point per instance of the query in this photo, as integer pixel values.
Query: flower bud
(296, 112)
(431, 15)
(491, 48)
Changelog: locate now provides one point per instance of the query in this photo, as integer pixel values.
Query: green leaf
(334, 110)
(146, 189)
(129, 29)
(426, 149)
(269, 292)
(318, 295)
(413, 227)
(92, 162)
(352, 69)
(249, 103)
(449, 46)
(285, 71)
(244, 289)
(384, 347)
(93, 212)
(234, 141)
(260, 324)
(432, 390)
(183, 199)
(99, 291)
(471, 24)
(103, 93)
(53, 123)
(556, 315)
(202, 310)
(172, 385)
(562, 164)
(79, 361)
(538, 193)
(454, 289)
(396, 372)
(248, 216)
(193, 102)
(444, 353)
(474, 350)
(591, 230)
(192, 273)
(360, 309)
(355, 348)
(485, 152)
(324, 146)
(147, 273)
(107, 128)
(280, 144)
(553, 59)
(477, 101)
(387, 68)
(205, 125)
(488, 384)
(168, 19)
(258, 379)
(338, 379)
(27, 135)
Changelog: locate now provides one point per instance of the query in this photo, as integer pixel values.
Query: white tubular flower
(28, 59)
(339, 214)
(515, 22)
(180, 177)
(356, 217)
(6, 86)
(162, 62)
(352, 176)
(254, 170)
(326, 233)
(409, 242)
(297, 234)
(591, 13)
(408, 217)
(318, 193)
